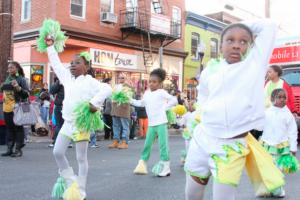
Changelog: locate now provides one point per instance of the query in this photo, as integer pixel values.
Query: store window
(78, 8)
(102, 74)
(194, 45)
(213, 48)
(36, 79)
(107, 6)
(26, 10)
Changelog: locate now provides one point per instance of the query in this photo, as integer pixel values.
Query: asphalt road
(110, 175)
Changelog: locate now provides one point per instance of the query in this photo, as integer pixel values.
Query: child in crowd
(156, 101)
(188, 122)
(79, 86)
(280, 135)
(231, 97)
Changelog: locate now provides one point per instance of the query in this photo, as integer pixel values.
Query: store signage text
(113, 59)
(288, 54)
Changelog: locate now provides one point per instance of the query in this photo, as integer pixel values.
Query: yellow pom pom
(179, 110)
(73, 193)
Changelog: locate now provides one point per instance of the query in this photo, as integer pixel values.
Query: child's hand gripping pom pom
(87, 119)
(51, 30)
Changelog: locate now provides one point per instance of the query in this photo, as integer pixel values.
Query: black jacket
(58, 90)
(141, 112)
(23, 94)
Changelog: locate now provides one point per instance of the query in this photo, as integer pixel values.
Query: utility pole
(6, 21)
(267, 8)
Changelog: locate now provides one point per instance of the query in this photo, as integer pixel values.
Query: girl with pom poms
(79, 87)
(280, 135)
(156, 101)
(83, 95)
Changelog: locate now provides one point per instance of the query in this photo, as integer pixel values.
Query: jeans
(58, 119)
(121, 128)
(108, 129)
(44, 114)
(93, 138)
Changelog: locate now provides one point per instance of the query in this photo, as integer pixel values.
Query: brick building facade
(121, 35)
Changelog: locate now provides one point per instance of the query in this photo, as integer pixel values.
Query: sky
(285, 12)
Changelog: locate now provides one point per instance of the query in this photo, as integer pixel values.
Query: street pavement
(32, 176)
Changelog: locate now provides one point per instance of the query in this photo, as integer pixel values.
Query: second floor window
(107, 6)
(213, 48)
(26, 10)
(156, 7)
(194, 46)
(78, 8)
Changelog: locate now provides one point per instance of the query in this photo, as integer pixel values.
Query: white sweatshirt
(77, 90)
(280, 127)
(156, 104)
(232, 95)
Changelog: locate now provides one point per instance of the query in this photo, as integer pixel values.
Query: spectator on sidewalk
(107, 118)
(57, 90)
(142, 120)
(15, 89)
(121, 117)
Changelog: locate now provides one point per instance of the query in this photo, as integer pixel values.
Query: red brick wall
(40, 9)
(60, 10)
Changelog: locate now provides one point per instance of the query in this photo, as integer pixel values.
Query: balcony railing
(157, 24)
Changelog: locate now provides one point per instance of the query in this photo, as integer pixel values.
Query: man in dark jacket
(57, 90)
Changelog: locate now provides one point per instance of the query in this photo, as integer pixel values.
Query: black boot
(17, 153)
(9, 150)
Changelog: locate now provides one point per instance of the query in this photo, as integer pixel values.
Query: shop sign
(160, 23)
(290, 54)
(113, 59)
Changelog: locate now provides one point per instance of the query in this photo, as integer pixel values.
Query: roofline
(204, 22)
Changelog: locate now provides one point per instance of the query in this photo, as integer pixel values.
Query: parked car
(292, 76)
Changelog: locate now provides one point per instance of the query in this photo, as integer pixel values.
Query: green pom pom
(157, 168)
(171, 116)
(51, 28)
(288, 163)
(122, 96)
(59, 188)
(85, 120)
(86, 55)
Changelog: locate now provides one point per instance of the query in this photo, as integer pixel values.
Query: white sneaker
(51, 145)
(279, 193)
(162, 169)
(95, 146)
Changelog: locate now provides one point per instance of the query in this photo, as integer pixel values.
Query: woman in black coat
(15, 89)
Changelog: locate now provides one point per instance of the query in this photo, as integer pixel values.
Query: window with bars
(194, 46)
(26, 10)
(78, 8)
(107, 6)
(214, 48)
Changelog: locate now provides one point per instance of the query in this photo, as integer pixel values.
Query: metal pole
(267, 8)
(161, 52)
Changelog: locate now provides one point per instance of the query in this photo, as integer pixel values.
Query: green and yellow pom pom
(51, 28)
(122, 97)
(180, 110)
(288, 164)
(87, 121)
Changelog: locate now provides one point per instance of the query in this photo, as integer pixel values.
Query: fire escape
(137, 19)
